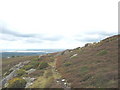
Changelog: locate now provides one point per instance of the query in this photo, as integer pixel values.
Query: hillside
(93, 66)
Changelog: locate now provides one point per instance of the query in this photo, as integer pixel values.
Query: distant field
(28, 52)
(11, 54)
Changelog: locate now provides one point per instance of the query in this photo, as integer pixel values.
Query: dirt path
(58, 79)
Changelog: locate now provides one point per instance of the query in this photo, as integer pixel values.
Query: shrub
(43, 65)
(17, 83)
(102, 52)
(67, 63)
(35, 59)
(27, 67)
(20, 72)
(34, 64)
(13, 56)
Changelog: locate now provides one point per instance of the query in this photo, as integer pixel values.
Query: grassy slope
(94, 66)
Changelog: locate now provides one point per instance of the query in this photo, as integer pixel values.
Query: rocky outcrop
(5, 80)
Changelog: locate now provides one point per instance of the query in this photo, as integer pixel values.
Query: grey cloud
(103, 33)
(36, 37)
(43, 39)
(17, 34)
(33, 41)
(8, 39)
(87, 37)
(53, 38)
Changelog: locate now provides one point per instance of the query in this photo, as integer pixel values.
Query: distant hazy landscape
(26, 52)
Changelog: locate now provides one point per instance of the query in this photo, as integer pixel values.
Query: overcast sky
(51, 24)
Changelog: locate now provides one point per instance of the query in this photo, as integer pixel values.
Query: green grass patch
(102, 52)
(27, 67)
(20, 72)
(35, 59)
(47, 73)
(44, 81)
(34, 63)
(43, 65)
(84, 69)
(67, 63)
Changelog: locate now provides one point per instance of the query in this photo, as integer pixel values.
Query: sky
(56, 24)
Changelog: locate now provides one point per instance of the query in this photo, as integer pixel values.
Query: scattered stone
(74, 55)
(6, 84)
(65, 83)
(26, 62)
(28, 84)
(30, 71)
(29, 81)
(63, 80)
(58, 81)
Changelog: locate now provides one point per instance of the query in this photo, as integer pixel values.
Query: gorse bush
(17, 83)
(43, 65)
(34, 64)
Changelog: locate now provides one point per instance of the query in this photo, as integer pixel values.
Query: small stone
(63, 80)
